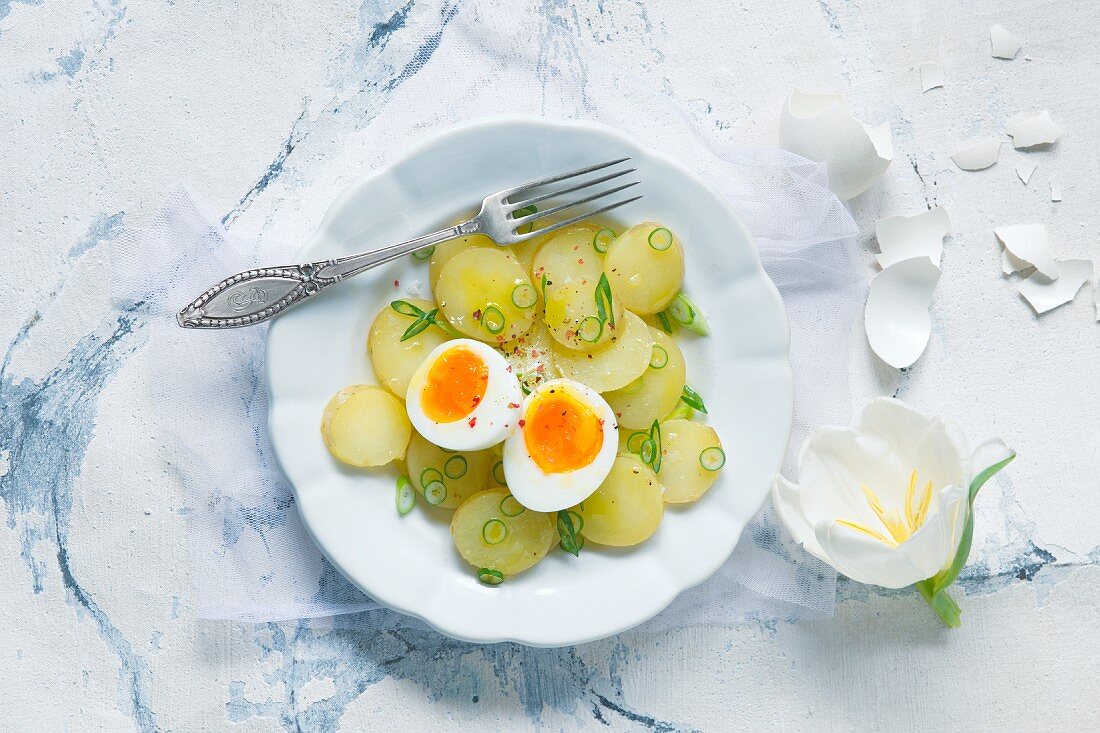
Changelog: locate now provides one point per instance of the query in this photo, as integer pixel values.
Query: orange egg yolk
(561, 432)
(456, 384)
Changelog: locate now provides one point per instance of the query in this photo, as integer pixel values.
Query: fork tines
(514, 198)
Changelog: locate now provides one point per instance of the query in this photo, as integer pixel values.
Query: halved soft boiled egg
(564, 447)
(464, 396)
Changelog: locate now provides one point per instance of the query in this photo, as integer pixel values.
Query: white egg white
(549, 492)
(490, 422)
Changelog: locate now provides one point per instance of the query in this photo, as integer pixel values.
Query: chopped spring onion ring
(693, 399)
(524, 295)
(602, 240)
(406, 497)
(544, 282)
(493, 319)
(660, 239)
(494, 531)
(435, 493)
(604, 310)
(686, 312)
(590, 330)
(426, 253)
(509, 507)
(428, 475)
(419, 325)
(455, 467)
(712, 458)
(489, 576)
(498, 473)
(423, 319)
(406, 308)
(665, 322)
(655, 436)
(648, 450)
(634, 442)
(658, 358)
(525, 211)
(567, 531)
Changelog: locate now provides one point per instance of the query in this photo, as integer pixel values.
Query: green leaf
(693, 399)
(567, 531)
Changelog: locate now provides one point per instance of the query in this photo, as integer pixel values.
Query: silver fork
(257, 295)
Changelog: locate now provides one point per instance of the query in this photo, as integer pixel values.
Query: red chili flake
(580, 261)
(512, 406)
(521, 423)
(473, 421)
(576, 247)
(477, 315)
(541, 368)
(509, 368)
(476, 399)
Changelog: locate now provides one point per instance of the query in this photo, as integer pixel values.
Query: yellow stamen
(899, 529)
(867, 531)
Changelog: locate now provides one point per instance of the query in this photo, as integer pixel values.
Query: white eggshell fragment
(1045, 294)
(1010, 263)
(1025, 169)
(896, 317)
(820, 127)
(1055, 190)
(904, 237)
(978, 155)
(931, 76)
(1029, 131)
(1004, 44)
(1030, 244)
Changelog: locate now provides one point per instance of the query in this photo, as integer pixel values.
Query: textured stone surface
(106, 103)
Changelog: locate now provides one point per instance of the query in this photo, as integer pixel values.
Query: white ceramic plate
(409, 563)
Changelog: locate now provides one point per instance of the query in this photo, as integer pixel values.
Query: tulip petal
(835, 463)
(988, 453)
(893, 421)
(786, 499)
(952, 515)
(941, 456)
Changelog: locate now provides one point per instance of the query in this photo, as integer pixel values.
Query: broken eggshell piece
(1028, 244)
(904, 237)
(820, 127)
(931, 76)
(1029, 131)
(1044, 294)
(896, 318)
(978, 155)
(1025, 169)
(1003, 44)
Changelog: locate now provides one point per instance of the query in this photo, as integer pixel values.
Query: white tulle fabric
(251, 557)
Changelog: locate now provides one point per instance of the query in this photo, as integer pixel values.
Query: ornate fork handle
(257, 295)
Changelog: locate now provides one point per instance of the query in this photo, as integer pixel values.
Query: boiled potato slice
(568, 256)
(691, 455)
(531, 356)
(461, 473)
(492, 530)
(395, 360)
(645, 265)
(651, 396)
(622, 361)
(573, 318)
(627, 508)
(444, 252)
(364, 425)
(486, 295)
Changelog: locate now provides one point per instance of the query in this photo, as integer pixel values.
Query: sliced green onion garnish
(712, 458)
(498, 473)
(693, 399)
(419, 325)
(634, 442)
(648, 451)
(602, 240)
(660, 239)
(590, 330)
(406, 497)
(525, 211)
(655, 436)
(686, 312)
(494, 531)
(544, 282)
(682, 411)
(493, 319)
(455, 467)
(423, 254)
(665, 322)
(567, 531)
(429, 475)
(509, 507)
(490, 577)
(658, 358)
(605, 310)
(524, 295)
(435, 493)
(406, 308)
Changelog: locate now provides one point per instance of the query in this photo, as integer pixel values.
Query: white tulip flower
(889, 501)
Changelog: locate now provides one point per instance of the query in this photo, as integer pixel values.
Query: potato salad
(539, 394)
